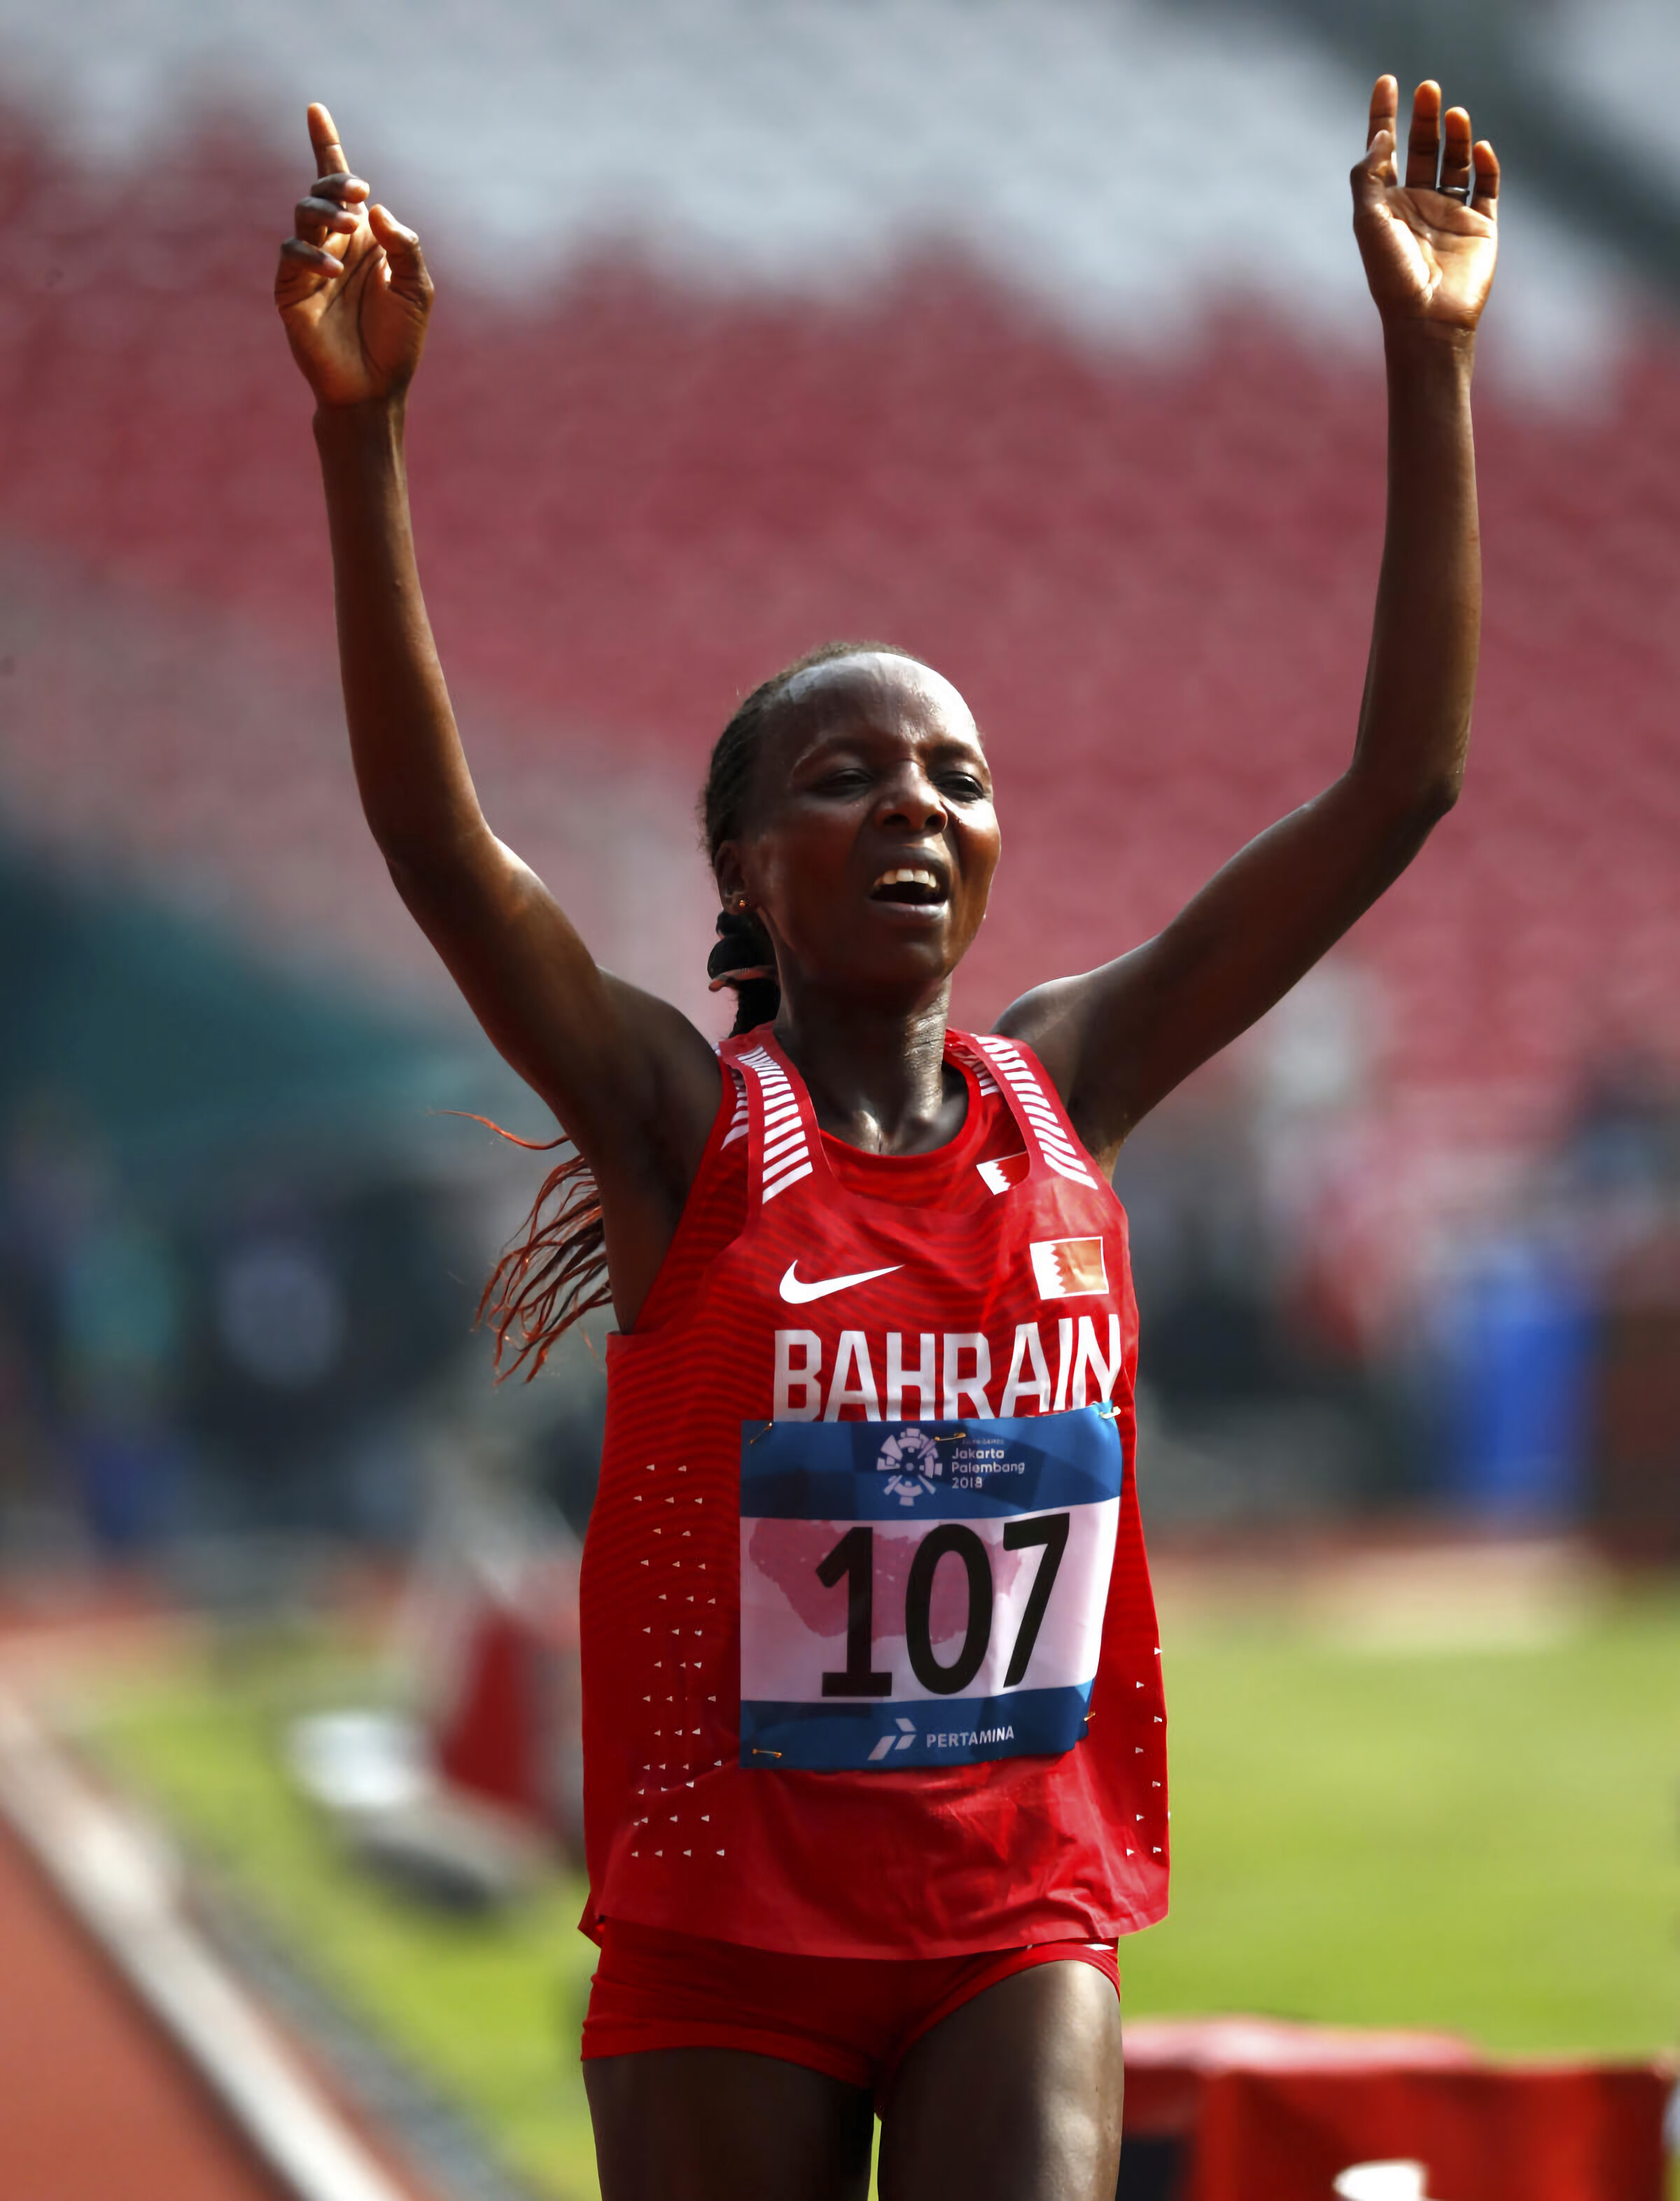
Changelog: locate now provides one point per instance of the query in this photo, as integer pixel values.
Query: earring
(738, 904)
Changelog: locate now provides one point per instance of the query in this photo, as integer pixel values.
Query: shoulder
(674, 1080)
(643, 1093)
(1084, 1031)
(1048, 1020)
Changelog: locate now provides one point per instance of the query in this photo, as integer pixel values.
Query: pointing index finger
(330, 159)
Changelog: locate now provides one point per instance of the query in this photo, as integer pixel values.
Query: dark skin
(873, 767)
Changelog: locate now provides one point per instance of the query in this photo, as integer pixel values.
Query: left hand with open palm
(1428, 243)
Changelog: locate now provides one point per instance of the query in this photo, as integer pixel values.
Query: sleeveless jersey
(870, 1663)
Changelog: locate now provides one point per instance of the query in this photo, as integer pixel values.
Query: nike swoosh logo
(798, 1292)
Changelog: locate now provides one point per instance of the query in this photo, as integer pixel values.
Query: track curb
(117, 1880)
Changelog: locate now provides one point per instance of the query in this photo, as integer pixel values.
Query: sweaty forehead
(890, 695)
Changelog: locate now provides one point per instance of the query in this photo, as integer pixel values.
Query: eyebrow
(944, 744)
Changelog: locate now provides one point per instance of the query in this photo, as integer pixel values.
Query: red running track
(95, 2103)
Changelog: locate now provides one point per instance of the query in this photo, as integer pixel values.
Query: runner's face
(872, 839)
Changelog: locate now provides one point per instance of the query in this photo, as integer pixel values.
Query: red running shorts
(853, 2017)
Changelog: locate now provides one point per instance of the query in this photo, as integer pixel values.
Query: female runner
(872, 1724)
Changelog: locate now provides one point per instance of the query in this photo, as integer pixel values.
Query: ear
(727, 872)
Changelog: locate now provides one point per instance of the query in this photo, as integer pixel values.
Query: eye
(963, 785)
(845, 779)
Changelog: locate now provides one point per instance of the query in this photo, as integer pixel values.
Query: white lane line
(120, 1883)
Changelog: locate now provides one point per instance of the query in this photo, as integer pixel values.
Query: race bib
(922, 1593)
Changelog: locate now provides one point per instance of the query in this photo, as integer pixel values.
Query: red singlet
(870, 1661)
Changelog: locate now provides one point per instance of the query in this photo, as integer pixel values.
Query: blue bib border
(878, 1736)
(953, 1471)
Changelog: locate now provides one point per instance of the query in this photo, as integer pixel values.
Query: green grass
(488, 2012)
(1485, 1842)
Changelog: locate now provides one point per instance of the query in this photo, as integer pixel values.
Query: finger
(348, 190)
(400, 242)
(1384, 109)
(402, 249)
(1485, 197)
(1423, 146)
(324, 137)
(1372, 175)
(312, 257)
(1455, 167)
(318, 219)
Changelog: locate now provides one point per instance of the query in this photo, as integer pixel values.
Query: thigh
(1015, 2097)
(720, 2124)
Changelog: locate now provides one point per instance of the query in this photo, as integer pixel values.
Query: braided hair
(555, 1272)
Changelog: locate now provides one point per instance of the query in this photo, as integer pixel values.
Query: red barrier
(503, 1719)
(1272, 2112)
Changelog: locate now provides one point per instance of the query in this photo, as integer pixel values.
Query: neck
(877, 1078)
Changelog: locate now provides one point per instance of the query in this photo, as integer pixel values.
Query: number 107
(853, 1559)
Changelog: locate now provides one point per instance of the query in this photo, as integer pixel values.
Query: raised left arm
(1117, 1039)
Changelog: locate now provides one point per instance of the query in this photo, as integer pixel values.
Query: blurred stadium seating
(1031, 338)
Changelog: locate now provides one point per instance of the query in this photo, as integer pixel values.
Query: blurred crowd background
(1028, 334)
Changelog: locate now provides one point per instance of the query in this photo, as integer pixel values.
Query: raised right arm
(629, 1078)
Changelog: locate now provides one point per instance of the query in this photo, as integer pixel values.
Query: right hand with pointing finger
(351, 286)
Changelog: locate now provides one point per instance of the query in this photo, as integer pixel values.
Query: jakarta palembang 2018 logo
(912, 1459)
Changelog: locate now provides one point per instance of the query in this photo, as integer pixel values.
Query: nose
(912, 800)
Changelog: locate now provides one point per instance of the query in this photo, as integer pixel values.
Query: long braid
(555, 1272)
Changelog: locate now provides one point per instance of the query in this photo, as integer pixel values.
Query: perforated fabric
(1010, 1302)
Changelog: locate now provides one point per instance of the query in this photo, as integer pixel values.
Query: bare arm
(1119, 1038)
(629, 1078)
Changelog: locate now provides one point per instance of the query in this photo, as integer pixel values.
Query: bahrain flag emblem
(1006, 1170)
(1068, 1268)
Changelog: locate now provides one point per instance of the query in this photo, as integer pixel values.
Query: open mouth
(911, 884)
